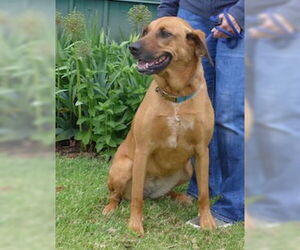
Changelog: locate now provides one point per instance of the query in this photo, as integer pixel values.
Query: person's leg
(272, 177)
(198, 22)
(229, 112)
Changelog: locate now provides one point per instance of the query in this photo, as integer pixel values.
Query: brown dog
(165, 134)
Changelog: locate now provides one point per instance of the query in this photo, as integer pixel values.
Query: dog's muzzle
(148, 63)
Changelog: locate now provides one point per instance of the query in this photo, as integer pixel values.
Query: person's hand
(268, 24)
(225, 25)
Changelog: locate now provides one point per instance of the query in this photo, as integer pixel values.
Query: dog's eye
(145, 31)
(165, 34)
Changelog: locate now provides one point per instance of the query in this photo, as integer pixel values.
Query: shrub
(97, 88)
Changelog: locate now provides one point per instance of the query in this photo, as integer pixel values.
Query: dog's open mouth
(154, 66)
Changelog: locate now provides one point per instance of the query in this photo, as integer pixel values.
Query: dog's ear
(197, 38)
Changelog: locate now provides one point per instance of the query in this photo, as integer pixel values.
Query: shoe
(265, 224)
(252, 222)
(220, 224)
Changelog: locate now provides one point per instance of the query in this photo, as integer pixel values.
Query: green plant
(74, 24)
(26, 78)
(97, 88)
(139, 16)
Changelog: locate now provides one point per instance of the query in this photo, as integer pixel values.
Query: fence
(112, 13)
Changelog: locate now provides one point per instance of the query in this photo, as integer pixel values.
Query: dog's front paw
(136, 225)
(207, 221)
(109, 208)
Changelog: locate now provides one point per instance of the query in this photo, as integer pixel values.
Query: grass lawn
(283, 236)
(27, 201)
(82, 194)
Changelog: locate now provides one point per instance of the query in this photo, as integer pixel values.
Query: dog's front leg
(201, 167)
(138, 179)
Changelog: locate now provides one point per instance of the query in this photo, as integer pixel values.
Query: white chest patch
(175, 124)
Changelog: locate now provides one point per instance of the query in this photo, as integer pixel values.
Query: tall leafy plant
(97, 86)
(26, 78)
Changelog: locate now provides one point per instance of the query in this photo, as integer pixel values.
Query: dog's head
(166, 42)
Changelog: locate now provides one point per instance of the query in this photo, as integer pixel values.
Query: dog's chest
(178, 126)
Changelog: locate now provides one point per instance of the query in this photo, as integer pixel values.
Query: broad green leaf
(78, 103)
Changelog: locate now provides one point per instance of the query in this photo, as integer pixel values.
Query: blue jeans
(272, 172)
(225, 84)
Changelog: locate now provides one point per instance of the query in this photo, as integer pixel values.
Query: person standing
(225, 83)
(272, 164)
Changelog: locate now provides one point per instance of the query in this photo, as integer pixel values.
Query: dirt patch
(59, 188)
(72, 149)
(26, 149)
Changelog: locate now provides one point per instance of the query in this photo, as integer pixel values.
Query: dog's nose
(135, 48)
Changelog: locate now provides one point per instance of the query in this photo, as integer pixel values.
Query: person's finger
(256, 33)
(266, 18)
(221, 17)
(226, 26)
(263, 17)
(219, 34)
(269, 24)
(289, 27)
(214, 33)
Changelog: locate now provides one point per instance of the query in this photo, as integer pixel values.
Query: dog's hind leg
(185, 176)
(119, 176)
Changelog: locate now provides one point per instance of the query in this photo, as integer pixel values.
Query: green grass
(80, 224)
(283, 236)
(27, 201)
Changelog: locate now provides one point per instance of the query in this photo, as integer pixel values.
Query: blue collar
(172, 98)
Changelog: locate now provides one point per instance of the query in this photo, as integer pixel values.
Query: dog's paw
(207, 221)
(181, 198)
(184, 199)
(136, 225)
(109, 209)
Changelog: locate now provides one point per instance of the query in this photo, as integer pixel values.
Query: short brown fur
(155, 156)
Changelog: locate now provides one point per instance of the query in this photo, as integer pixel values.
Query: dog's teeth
(145, 65)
